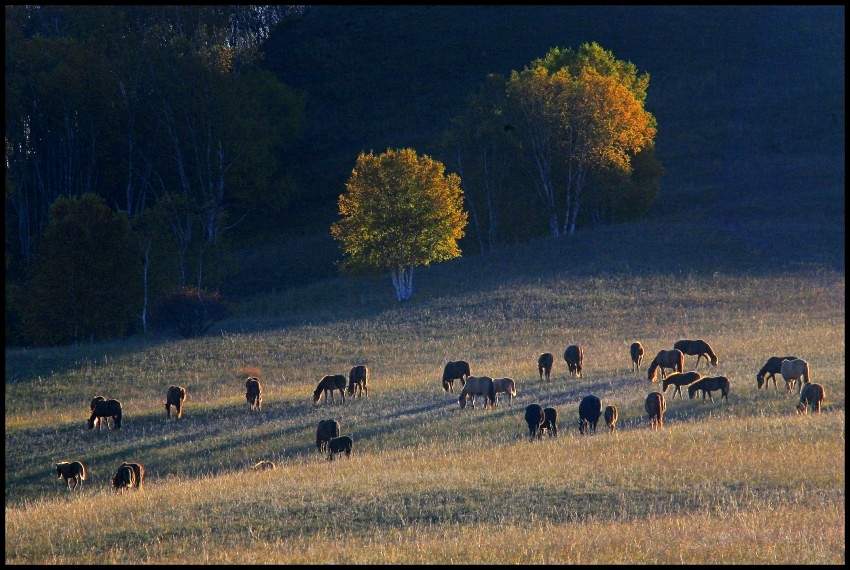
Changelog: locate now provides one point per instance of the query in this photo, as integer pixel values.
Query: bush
(191, 311)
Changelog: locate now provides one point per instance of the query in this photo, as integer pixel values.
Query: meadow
(748, 481)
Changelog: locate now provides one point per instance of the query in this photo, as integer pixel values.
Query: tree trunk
(403, 282)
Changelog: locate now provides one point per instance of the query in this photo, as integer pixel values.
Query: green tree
(579, 112)
(400, 211)
(85, 282)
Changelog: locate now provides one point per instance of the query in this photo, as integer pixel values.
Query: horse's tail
(805, 372)
(118, 418)
(513, 389)
(681, 362)
(83, 474)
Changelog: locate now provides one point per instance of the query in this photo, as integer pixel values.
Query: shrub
(191, 311)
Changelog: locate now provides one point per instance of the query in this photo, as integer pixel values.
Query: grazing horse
(812, 395)
(106, 409)
(138, 471)
(534, 417)
(673, 359)
(176, 396)
(708, 385)
(254, 394)
(589, 410)
(698, 348)
(574, 354)
(680, 379)
(655, 405)
(636, 352)
(339, 445)
(97, 421)
(124, 478)
(478, 386)
(610, 416)
(544, 365)
(550, 422)
(327, 430)
(358, 378)
(455, 370)
(772, 367)
(796, 370)
(71, 471)
(329, 384)
(507, 386)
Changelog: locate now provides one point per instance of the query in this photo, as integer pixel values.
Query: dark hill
(749, 100)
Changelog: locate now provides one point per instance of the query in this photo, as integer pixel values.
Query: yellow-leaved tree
(400, 211)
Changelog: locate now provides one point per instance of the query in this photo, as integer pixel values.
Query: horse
(544, 365)
(655, 405)
(666, 359)
(698, 348)
(327, 430)
(574, 354)
(478, 386)
(175, 396)
(329, 384)
(339, 445)
(97, 421)
(124, 478)
(708, 385)
(455, 370)
(550, 422)
(534, 417)
(772, 367)
(138, 471)
(636, 352)
(813, 395)
(610, 416)
(796, 370)
(106, 409)
(680, 379)
(254, 394)
(589, 410)
(505, 385)
(71, 471)
(358, 378)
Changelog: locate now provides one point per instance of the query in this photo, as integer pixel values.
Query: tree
(580, 112)
(400, 211)
(85, 278)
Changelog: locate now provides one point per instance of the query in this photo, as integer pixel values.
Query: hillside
(749, 102)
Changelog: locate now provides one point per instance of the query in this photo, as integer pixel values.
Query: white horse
(795, 371)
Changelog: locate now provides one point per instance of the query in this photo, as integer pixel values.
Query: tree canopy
(400, 211)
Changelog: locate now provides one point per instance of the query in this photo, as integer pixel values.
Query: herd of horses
(540, 420)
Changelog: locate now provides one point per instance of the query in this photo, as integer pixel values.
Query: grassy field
(744, 482)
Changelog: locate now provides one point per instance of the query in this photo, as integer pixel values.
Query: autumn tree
(400, 211)
(579, 112)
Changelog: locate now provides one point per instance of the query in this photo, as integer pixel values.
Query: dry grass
(743, 482)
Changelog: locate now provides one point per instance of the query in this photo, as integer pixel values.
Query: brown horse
(71, 471)
(98, 423)
(506, 386)
(673, 359)
(478, 386)
(574, 355)
(589, 410)
(771, 368)
(138, 471)
(544, 365)
(655, 405)
(455, 370)
(358, 379)
(698, 348)
(534, 417)
(610, 416)
(254, 394)
(680, 379)
(125, 478)
(708, 385)
(795, 371)
(327, 430)
(812, 395)
(176, 396)
(106, 409)
(329, 384)
(636, 352)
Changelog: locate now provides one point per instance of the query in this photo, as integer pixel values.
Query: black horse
(455, 370)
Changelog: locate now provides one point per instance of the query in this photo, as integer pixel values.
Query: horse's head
(801, 408)
(462, 401)
(91, 423)
(760, 379)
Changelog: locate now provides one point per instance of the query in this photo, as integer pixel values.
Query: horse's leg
(710, 397)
